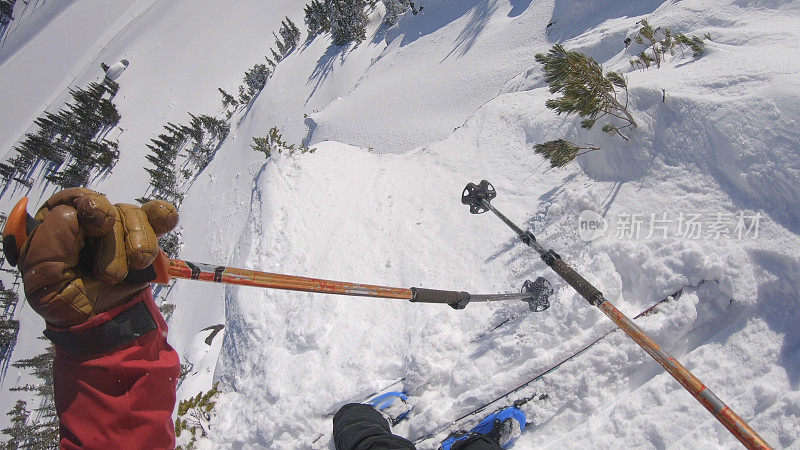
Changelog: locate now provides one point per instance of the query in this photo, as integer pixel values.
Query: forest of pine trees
(69, 148)
(176, 156)
(41, 431)
(9, 327)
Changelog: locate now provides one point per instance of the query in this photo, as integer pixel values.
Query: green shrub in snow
(585, 90)
(660, 42)
(561, 152)
(274, 142)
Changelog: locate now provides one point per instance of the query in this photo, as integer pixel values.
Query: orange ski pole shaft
(167, 269)
(478, 198)
(535, 294)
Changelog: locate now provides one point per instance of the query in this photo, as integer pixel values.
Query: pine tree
(276, 56)
(348, 21)
(19, 429)
(256, 78)
(44, 432)
(228, 101)
(74, 134)
(317, 17)
(289, 37)
(584, 89)
(394, 9)
(561, 152)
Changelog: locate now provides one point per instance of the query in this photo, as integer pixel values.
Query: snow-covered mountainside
(400, 123)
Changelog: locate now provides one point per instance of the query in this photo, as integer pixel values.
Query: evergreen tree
(289, 37)
(206, 133)
(44, 432)
(276, 56)
(19, 430)
(74, 134)
(561, 152)
(584, 89)
(317, 17)
(348, 21)
(9, 327)
(256, 78)
(228, 101)
(394, 9)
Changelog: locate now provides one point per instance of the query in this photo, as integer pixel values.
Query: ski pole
(479, 196)
(534, 293)
(20, 224)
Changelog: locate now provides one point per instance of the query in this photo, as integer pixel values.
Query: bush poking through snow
(274, 142)
(562, 152)
(659, 42)
(696, 44)
(584, 89)
(194, 416)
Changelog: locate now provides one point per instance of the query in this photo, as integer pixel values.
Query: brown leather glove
(75, 262)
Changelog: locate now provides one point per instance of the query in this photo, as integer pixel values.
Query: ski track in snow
(400, 124)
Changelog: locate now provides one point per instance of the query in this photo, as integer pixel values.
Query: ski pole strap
(456, 299)
(587, 291)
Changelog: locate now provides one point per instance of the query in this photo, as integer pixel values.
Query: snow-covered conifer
(317, 17)
(394, 9)
(256, 78)
(348, 21)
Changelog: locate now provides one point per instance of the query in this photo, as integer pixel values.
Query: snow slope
(719, 143)
(400, 123)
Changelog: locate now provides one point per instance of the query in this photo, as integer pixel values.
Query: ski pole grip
(456, 299)
(587, 291)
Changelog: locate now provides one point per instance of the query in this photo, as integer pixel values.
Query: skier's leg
(358, 426)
